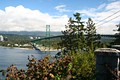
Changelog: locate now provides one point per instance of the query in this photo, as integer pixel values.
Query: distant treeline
(31, 33)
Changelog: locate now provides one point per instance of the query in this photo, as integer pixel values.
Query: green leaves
(117, 41)
(75, 38)
(74, 34)
(85, 65)
(91, 35)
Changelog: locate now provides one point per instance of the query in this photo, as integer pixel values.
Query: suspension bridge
(45, 43)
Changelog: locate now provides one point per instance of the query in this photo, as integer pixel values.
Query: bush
(85, 65)
(70, 67)
(42, 69)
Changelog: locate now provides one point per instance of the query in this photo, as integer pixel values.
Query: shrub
(42, 69)
(70, 67)
(85, 65)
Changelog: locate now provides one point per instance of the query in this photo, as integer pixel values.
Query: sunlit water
(19, 57)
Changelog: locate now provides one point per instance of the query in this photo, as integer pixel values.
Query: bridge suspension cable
(99, 25)
(108, 17)
(108, 20)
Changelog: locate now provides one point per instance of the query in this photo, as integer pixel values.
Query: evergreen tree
(74, 39)
(92, 39)
(74, 36)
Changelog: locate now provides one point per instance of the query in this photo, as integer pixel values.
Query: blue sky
(48, 6)
(34, 15)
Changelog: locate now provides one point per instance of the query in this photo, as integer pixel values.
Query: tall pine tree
(92, 39)
(74, 39)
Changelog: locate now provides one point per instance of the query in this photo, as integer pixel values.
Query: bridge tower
(47, 30)
(48, 35)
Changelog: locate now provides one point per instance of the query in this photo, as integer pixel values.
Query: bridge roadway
(60, 36)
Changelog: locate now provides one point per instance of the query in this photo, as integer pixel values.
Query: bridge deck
(60, 36)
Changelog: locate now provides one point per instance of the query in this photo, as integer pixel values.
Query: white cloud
(113, 5)
(112, 0)
(101, 6)
(100, 13)
(61, 8)
(20, 18)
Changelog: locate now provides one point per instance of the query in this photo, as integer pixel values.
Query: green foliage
(12, 39)
(92, 39)
(75, 39)
(85, 65)
(81, 46)
(69, 67)
(117, 41)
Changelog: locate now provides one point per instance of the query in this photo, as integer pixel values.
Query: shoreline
(40, 49)
(17, 48)
(43, 48)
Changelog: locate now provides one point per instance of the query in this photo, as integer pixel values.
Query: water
(19, 57)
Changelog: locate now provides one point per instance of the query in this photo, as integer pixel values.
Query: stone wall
(107, 64)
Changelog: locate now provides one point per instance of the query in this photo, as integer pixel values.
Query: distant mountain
(31, 33)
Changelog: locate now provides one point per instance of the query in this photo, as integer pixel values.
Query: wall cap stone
(116, 47)
(107, 51)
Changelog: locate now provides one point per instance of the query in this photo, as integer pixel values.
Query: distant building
(8, 44)
(25, 45)
(1, 38)
(38, 37)
(31, 37)
(16, 45)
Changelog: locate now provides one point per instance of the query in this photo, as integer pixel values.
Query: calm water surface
(19, 57)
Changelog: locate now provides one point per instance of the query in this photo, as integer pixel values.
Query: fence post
(107, 64)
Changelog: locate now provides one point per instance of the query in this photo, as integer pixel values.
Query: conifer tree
(74, 34)
(92, 39)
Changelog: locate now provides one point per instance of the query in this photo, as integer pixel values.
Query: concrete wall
(107, 64)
